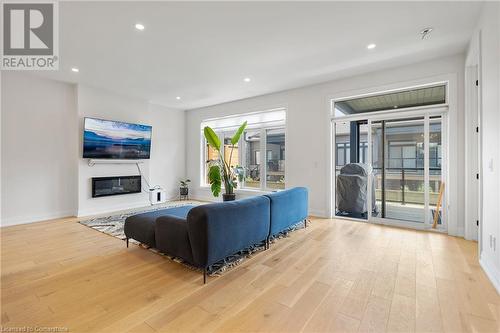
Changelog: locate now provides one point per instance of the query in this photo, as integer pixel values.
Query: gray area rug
(113, 225)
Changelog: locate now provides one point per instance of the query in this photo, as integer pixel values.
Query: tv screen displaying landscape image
(107, 139)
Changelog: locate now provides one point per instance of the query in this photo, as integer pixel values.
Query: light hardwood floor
(336, 275)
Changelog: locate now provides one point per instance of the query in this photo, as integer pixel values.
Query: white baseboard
(492, 272)
(112, 209)
(207, 198)
(16, 220)
(318, 213)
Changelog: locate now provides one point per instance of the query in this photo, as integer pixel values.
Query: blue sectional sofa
(206, 234)
(213, 232)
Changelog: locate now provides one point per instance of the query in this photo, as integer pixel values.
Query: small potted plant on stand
(184, 188)
(220, 171)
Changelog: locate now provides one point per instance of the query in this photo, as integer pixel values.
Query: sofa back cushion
(220, 229)
(288, 207)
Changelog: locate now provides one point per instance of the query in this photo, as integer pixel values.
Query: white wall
(167, 162)
(101, 104)
(485, 51)
(168, 151)
(307, 130)
(39, 169)
(175, 133)
(43, 175)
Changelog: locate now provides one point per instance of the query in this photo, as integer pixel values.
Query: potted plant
(184, 187)
(219, 170)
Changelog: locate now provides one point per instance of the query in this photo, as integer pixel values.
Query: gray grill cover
(352, 188)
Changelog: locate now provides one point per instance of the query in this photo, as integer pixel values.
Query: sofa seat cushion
(141, 227)
(172, 238)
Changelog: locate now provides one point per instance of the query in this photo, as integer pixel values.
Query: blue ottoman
(141, 227)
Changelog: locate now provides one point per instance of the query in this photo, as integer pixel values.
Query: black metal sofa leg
(127, 241)
(204, 276)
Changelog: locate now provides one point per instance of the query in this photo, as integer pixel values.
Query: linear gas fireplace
(106, 186)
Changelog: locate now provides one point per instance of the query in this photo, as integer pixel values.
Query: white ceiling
(201, 51)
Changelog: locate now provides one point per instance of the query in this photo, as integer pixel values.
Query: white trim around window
(450, 131)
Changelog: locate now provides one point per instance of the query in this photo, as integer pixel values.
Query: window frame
(445, 111)
(382, 92)
(258, 155)
(264, 144)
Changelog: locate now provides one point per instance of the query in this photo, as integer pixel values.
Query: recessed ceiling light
(371, 46)
(74, 69)
(178, 98)
(139, 26)
(247, 79)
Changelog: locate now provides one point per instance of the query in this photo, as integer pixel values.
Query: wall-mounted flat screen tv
(106, 139)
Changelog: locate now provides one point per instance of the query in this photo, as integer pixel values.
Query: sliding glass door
(405, 158)
(398, 163)
(389, 156)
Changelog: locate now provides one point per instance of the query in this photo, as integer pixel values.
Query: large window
(260, 152)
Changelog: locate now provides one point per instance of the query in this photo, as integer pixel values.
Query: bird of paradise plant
(219, 170)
